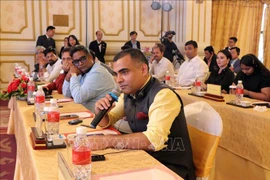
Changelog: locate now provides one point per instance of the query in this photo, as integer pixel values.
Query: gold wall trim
(199, 20)
(204, 29)
(17, 55)
(33, 27)
(72, 28)
(140, 24)
(13, 61)
(182, 17)
(26, 22)
(40, 17)
(80, 4)
(123, 22)
(93, 21)
(192, 20)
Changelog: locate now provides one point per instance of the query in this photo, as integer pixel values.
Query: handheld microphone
(114, 94)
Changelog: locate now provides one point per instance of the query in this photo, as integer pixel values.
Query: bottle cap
(53, 100)
(39, 87)
(81, 130)
(239, 81)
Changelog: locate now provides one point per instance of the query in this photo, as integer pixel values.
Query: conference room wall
(22, 21)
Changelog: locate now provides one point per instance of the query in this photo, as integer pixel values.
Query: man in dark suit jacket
(133, 43)
(47, 40)
(99, 46)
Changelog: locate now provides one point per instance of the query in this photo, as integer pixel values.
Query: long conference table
(244, 148)
(43, 164)
(243, 152)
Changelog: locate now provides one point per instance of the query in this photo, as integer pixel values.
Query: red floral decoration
(142, 116)
(18, 87)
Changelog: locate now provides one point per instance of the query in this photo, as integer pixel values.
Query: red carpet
(7, 145)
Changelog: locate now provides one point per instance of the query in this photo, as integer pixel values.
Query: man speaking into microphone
(154, 112)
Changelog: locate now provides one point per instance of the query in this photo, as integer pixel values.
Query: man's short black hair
(133, 32)
(237, 49)
(50, 28)
(234, 39)
(193, 43)
(67, 49)
(135, 54)
(84, 49)
(209, 49)
(125, 47)
(50, 49)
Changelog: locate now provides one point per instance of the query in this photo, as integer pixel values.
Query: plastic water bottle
(198, 85)
(81, 155)
(30, 90)
(39, 100)
(239, 92)
(168, 78)
(53, 117)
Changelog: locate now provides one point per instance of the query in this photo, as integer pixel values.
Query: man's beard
(51, 62)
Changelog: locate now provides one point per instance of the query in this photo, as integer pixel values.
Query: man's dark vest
(178, 154)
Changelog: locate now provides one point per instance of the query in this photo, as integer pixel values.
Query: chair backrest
(205, 128)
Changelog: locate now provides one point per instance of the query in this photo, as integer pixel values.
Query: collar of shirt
(99, 42)
(88, 69)
(193, 59)
(134, 95)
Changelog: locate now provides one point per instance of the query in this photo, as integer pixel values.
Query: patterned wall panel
(150, 20)
(17, 22)
(111, 20)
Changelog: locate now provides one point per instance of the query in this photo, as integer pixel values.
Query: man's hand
(68, 76)
(103, 103)
(152, 58)
(66, 66)
(74, 69)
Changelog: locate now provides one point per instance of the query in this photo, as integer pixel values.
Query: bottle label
(40, 99)
(198, 83)
(239, 91)
(53, 116)
(30, 88)
(167, 78)
(81, 157)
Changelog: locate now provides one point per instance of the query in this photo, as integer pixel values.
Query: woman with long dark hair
(72, 41)
(255, 77)
(223, 76)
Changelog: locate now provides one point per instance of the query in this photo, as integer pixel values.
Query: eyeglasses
(80, 60)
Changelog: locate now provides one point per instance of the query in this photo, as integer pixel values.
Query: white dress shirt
(191, 69)
(53, 71)
(158, 69)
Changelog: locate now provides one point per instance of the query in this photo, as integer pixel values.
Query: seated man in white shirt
(192, 68)
(52, 71)
(159, 64)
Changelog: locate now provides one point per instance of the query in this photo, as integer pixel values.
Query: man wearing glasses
(86, 80)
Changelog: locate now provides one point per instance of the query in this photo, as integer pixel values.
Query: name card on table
(214, 89)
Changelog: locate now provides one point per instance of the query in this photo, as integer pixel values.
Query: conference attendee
(47, 40)
(98, 46)
(73, 41)
(86, 80)
(235, 61)
(255, 77)
(52, 71)
(231, 43)
(159, 64)
(170, 47)
(63, 47)
(133, 43)
(158, 126)
(58, 82)
(223, 76)
(192, 68)
(40, 58)
(210, 58)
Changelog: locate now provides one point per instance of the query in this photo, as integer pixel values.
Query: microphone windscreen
(117, 92)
